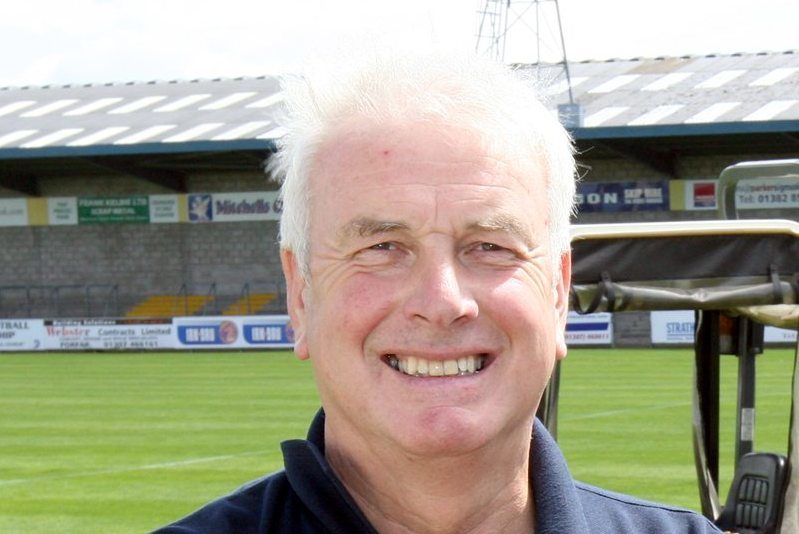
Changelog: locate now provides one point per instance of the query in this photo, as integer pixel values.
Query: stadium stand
(251, 304)
(169, 306)
(653, 135)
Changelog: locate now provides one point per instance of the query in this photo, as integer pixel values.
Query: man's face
(432, 316)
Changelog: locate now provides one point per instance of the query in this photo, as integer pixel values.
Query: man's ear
(562, 303)
(295, 300)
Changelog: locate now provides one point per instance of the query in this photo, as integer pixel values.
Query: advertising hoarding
(641, 195)
(113, 210)
(590, 329)
(677, 327)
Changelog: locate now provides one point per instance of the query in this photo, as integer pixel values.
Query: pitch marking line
(164, 465)
(611, 413)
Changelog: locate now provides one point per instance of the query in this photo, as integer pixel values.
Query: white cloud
(53, 41)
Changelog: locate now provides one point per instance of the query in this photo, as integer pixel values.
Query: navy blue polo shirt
(307, 497)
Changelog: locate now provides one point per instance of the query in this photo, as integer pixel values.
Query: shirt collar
(557, 504)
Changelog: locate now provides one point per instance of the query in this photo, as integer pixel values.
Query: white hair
(502, 108)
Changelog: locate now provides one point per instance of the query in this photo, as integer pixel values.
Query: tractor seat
(754, 503)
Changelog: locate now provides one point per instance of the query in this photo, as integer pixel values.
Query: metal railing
(108, 300)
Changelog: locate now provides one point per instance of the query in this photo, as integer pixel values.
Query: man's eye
(382, 246)
(490, 247)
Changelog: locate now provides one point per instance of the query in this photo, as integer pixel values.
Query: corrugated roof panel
(614, 93)
(181, 103)
(722, 78)
(194, 133)
(12, 137)
(563, 85)
(770, 110)
(13, 107)
(604, 115)
(227, 101)
(145, 135)
(713, 112)
(137, 105)
(53, 137)
(614, 83)
(664, 82)
(93, 106)
(96, 137)
(241, 131)
(656, 115)
(49, 108)
(775, 76)
(266, 102)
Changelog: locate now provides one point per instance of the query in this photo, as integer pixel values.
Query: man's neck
(483, 491)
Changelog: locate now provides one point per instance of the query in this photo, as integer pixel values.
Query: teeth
(421, 367)
(436, 368)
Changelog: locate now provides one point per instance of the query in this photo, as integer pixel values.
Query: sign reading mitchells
(234, 207)
(113, 210)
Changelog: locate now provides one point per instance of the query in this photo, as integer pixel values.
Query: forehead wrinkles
(366, 227)
(501, 223)
(504, 223)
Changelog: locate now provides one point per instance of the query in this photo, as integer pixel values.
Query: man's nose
(437, 294)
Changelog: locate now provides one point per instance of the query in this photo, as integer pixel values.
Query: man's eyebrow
(366, 227)
(503, 223)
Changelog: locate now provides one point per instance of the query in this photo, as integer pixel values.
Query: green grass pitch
(126, 442)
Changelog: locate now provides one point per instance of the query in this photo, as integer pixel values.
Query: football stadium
(145, 347)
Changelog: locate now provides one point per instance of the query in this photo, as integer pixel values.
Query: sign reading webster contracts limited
(113, 210)
(106, 334)
(641, 195)
(133, 334)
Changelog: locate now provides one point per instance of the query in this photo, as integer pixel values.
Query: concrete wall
(143, 260)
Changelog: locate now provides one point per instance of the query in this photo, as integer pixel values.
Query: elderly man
(425, 247)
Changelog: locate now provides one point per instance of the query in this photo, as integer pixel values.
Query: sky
(56, 42)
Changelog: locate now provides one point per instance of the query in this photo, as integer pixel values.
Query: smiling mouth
(413, 366)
